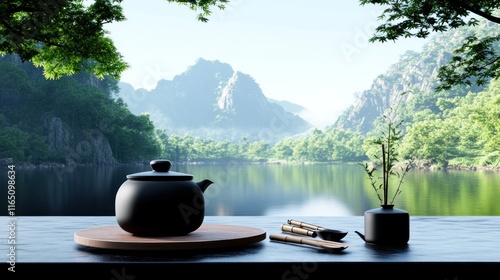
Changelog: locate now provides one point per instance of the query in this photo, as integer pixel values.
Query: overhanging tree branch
(62, 35)
(475, 62)
(478, 12)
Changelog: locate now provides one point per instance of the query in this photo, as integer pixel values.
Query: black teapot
(160, 202)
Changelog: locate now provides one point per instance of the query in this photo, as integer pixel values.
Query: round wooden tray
(207, 236)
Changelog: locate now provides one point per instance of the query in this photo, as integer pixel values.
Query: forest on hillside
(461, 131)
(73, 120)
(455, 130)
(80, 120)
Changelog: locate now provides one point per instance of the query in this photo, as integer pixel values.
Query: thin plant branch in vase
(388, 159)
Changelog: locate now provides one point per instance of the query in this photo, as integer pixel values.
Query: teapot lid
(161, 172)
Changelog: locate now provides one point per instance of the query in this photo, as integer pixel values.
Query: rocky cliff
(416, 74)
(90, 147)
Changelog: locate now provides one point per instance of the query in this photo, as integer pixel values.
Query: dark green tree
(13, 142)
(475, 62)
(68, 36)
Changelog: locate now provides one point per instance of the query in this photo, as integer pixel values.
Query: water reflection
(261, 190)
(317, 206)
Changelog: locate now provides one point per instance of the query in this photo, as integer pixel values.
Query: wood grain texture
(208, 236)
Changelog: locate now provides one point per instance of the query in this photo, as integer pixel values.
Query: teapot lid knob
(161, 172)
(160, 165)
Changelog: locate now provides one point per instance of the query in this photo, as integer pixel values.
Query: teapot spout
(360, 235)
(204, 184)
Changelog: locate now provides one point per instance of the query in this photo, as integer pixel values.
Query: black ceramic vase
(386, 225)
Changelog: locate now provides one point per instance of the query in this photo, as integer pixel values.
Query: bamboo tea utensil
(313, 230)
(335, 247)
(303, 231)
(299, 230)
(305, 225)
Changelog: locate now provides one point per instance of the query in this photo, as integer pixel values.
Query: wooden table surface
(439, 248)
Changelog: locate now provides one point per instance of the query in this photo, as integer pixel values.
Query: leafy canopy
(475, 62)
(67, 36)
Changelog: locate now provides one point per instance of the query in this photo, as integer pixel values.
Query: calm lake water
(260, 190)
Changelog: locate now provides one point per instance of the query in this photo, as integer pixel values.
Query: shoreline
(419, 166)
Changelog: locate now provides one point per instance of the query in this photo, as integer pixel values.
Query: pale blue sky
(311, 52)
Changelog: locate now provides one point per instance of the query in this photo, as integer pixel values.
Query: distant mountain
(211, 100)
(416, 74)
(289, 106)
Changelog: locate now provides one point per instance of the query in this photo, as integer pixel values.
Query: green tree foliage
(13, 143)
(330, 145)
(346, 145)
(284, 149)
(68, 36)
(475, 62)
(28, 104)
(466, 131)
(132, 138)
(202, 6)
(433, 139)
(259, 151)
